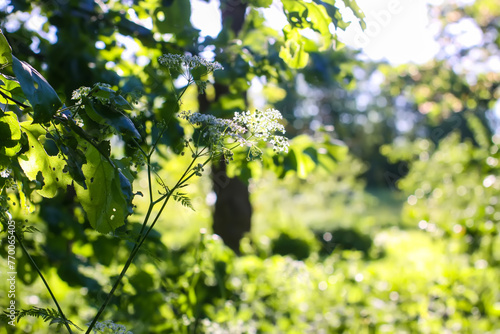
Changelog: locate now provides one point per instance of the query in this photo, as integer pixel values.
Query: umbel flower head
(174, 61)
(246, 129)
(108, 326)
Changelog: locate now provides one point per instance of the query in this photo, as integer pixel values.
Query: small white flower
(5, 173)
(102, 327)
(174, 61)
(245, 128)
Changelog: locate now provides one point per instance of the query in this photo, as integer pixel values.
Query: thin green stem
(137, 247)
(84, 136)
(153, 147)
(66, 322)
(140, 148)
(5, 96)
(131, 257)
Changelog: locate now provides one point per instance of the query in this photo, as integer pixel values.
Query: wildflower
(80, 93)
(245, 128)
(105, 326)
(174, 61)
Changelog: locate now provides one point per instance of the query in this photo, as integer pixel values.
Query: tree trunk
(233, 210)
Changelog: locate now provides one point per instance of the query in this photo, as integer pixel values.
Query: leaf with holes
(10, 134)
(106, 199)
(42, 97)
(303, 16)
(293, 52)
(334, 13)
(41, 167)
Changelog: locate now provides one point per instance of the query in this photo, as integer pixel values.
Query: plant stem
(131, 257)
(136, 248)
(5, 96)
(66, 323)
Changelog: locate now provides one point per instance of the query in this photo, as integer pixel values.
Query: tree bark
(233, 210)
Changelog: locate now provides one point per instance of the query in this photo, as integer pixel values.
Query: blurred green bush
(321, 259)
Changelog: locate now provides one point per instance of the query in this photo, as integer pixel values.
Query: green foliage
(260, 3)
(47, 314)
(72, 150)
(452, 190)
(5, 52)
(108, 193)
(313, 16)
(322, 255)
(10, 134)
(183, 199)
(104, 106)
(45, 170)
(42, 97)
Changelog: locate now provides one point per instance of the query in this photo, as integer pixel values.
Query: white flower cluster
(190, 62)
(80, 93)
(232, 326)
(246, 129)
(5, 173)
(263, 125)
(109, 326)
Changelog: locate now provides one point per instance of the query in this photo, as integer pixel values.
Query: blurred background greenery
(401, 235)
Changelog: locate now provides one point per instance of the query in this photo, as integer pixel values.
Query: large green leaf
(106, 114)
(11, 91)
(174, 19)
(10, 134)
(309, 15)
(334, 13)
(5, 51)
(107, 197)
(42, 96)
(39, 166)
(294, 52)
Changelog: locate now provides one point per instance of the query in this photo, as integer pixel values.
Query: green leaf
(10, 134)
(184, 200)
(309, 15)
(106, 114)
(12, 89)
(47, 314)
(41, 167)
(357, 12)
(307, 154)
(172, 19)
(42, 96)
(5, 51)
(334, 13)
(107, 197)
(294, 54)
(260, 3)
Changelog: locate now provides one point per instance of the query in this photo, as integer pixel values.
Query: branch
(66, 322)
(14, 100)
